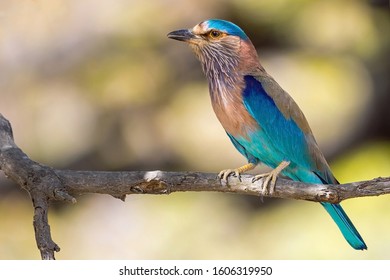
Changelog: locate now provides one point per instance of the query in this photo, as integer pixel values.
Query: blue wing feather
(278, 138)
(242, 150)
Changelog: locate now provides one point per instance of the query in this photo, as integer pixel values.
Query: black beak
(181, 35)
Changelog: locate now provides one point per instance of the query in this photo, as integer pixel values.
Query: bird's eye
(215, 34)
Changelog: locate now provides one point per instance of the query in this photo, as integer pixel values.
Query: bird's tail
(345, 225)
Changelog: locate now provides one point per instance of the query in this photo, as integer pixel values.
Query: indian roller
(261, 119)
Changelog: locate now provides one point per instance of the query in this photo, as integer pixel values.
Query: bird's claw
(224, 174)
(268, 186)
(270, 178)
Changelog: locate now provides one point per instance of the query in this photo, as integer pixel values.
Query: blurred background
(96, 85)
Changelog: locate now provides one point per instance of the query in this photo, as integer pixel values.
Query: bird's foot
(270, 178)
(224, 174)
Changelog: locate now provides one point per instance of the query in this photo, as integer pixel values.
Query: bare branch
(120, 184)
(40, 181)
(45, 184)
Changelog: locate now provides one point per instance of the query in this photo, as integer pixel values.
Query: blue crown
(227, 27)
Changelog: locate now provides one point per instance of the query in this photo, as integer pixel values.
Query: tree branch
(45, 184)
(120, 184)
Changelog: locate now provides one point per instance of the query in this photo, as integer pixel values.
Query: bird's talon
(237, 174)
(257, 177)
(270, 178)
(224, 174)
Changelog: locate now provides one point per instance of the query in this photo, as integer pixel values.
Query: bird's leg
(270, 178)
(224, 174)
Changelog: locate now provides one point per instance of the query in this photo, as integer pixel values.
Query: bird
(261, 119)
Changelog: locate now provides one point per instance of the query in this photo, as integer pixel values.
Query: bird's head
(209, 32)
(221, 46)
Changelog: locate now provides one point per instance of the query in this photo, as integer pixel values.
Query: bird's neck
(222, 75)
(225, 72)
(223, 86)
(227, 101)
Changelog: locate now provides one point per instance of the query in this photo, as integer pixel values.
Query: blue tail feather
(345, 225)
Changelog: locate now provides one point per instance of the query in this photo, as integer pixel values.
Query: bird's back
(288, 130)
